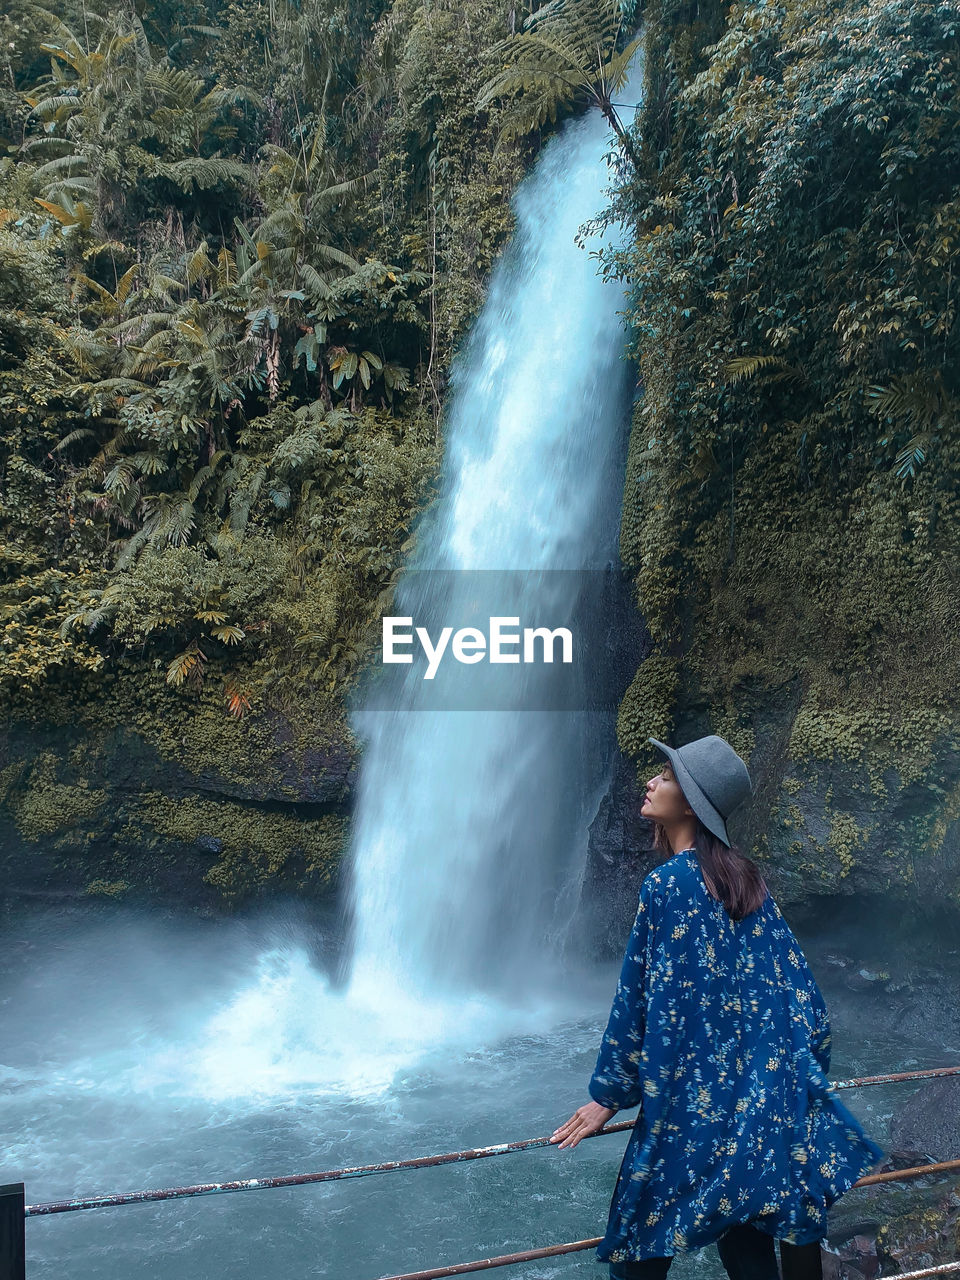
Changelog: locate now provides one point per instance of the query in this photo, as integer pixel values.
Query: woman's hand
(584, 1121)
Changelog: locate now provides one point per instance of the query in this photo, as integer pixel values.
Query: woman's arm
(616, 1082)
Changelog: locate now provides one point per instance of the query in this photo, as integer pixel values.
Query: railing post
(13, 1253)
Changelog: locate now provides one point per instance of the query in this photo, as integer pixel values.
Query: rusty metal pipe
(547, 1251)
(528, 1255)
(387, 1166)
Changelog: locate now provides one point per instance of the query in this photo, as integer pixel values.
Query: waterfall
(476, 790)
(470, 816)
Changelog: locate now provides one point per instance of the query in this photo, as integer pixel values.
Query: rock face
(211, 821)
(819, 830)
(621, 850)
(106, 813)
(620, 853)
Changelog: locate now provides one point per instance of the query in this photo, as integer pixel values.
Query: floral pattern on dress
(720, 1034)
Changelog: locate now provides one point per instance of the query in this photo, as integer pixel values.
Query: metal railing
(14, 1211)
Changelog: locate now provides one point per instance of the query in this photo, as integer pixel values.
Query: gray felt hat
(713, 779)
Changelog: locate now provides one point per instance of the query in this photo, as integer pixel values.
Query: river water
(151, 1050)
(143, 1050)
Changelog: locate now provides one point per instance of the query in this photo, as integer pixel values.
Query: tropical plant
(565, 53)
(921, 403)
(111, 116)
(299, 190)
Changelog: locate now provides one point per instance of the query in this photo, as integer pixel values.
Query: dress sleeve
(616, 1082)
(820, 1042)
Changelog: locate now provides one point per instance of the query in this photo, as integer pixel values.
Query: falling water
(470, 817)
(470, 828)
(469, 832)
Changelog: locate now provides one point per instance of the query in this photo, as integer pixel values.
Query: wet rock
(864, 979)
(923, 1237)
(856, 1257)
(836, 1267)
(930, 1120)
(620, 855)
(88, 811)
(827, 830)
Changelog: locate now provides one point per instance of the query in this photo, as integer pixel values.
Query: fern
(187, 666)
(565, 52)
(229, 635)
(742, 367)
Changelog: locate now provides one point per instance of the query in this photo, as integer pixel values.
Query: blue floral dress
(719, 1031)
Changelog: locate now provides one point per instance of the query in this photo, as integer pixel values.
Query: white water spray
(470, 827)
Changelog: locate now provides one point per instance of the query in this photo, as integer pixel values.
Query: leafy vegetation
(238, 246)
(568, 52)
(228, 310)
(791, 503)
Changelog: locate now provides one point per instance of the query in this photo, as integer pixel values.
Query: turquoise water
(145, 1051)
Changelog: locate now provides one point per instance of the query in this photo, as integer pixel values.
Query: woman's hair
(730, 876)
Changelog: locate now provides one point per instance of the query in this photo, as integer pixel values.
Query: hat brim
(708, 815)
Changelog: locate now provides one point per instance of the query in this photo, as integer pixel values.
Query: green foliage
(255, 852)
(646, 707)
(567, 53)
(108, 888)
(48, 807)
(444, 182)
(791, 503)
(227, 331)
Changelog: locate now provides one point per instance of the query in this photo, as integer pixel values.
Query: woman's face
(664, 801)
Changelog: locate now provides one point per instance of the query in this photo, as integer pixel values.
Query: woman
(719, 1028)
